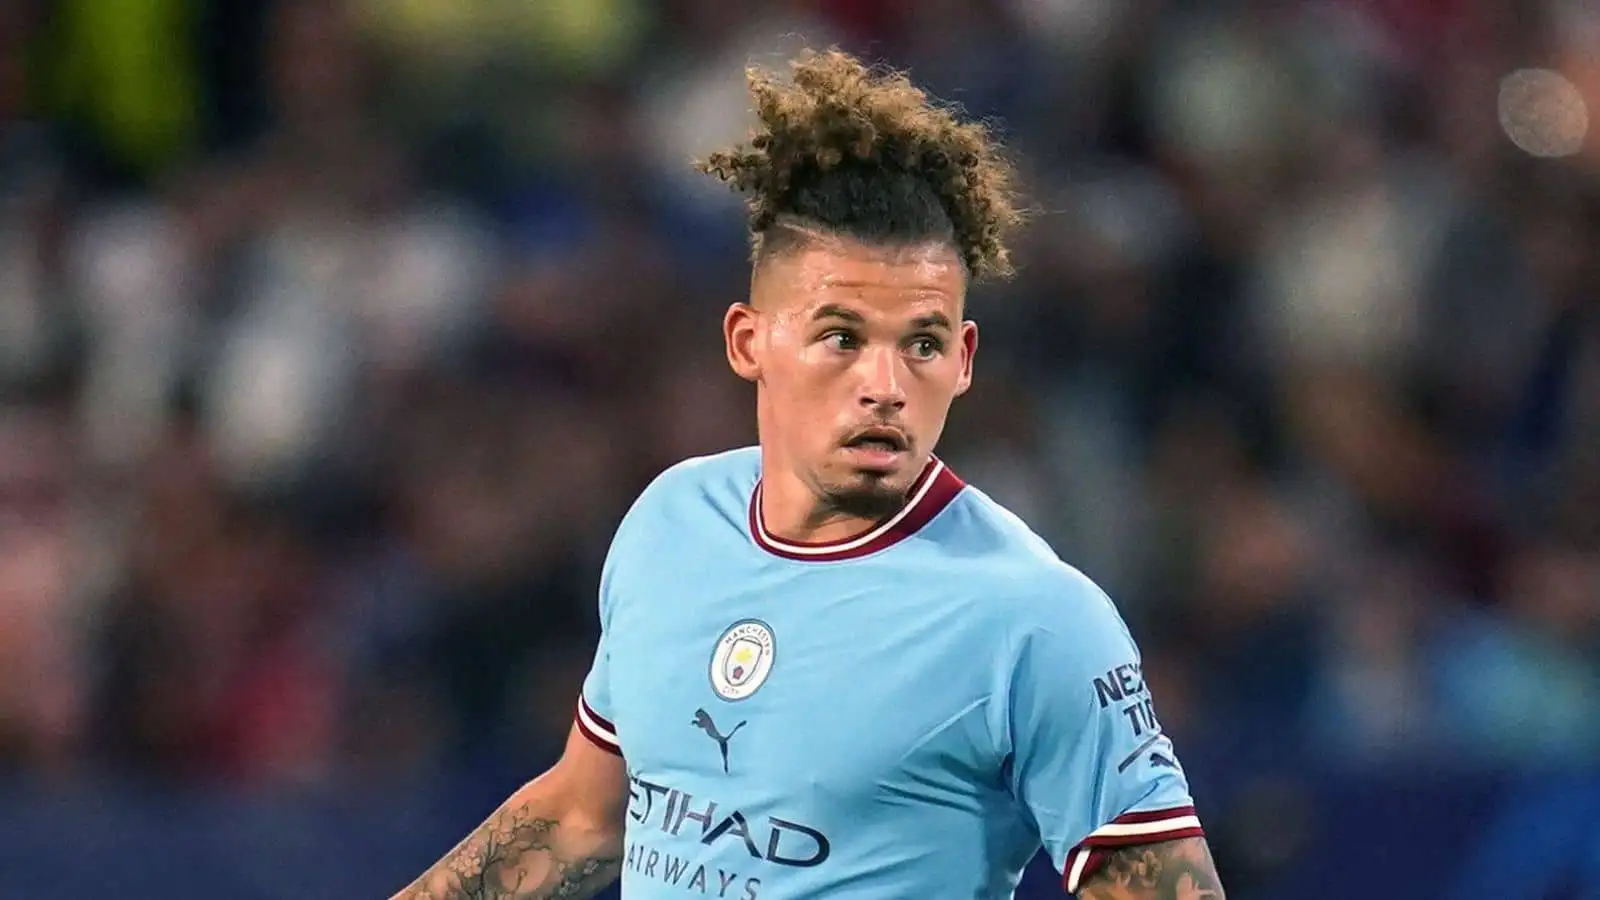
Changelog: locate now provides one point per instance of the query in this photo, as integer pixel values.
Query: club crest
(742, 659)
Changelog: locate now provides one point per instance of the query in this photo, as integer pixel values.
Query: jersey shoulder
(690, 492)
(706, 497)
(1031, 586)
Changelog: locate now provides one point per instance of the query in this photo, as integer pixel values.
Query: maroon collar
(929, 495)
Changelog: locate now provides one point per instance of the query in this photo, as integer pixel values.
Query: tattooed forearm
(517, 855)
(1175, 870)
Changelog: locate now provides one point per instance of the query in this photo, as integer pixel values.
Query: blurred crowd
(336, 337)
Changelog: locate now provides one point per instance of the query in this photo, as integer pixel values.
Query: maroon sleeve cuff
(597, 728)
(1126, 830)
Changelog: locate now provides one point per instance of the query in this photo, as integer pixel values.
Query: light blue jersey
(907, 714)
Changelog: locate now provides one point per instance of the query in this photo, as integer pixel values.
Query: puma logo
(704, 722)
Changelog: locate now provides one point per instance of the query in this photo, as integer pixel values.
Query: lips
(879, 437)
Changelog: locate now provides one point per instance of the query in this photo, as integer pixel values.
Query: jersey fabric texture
(910, 713)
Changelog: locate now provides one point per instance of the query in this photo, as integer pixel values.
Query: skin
(838, 336)
(1173, 870)
(560, 835)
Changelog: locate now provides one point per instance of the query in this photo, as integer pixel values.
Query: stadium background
(335, 338)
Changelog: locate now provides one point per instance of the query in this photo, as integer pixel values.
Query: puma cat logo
(704, 722)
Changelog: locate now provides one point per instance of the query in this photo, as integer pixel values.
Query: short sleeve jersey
(912, 712)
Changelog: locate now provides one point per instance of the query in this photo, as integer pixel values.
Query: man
(828, 668)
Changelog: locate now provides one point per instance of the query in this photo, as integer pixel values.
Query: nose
(882, 381)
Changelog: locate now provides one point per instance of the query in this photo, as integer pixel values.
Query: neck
(792, 508)
(792, 511)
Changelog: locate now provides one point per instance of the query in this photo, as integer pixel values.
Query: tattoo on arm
(1173, 870)
(516, 855)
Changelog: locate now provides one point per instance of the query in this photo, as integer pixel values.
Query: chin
(871, 493)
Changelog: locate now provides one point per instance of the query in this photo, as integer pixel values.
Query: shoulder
(740, 465)
(1029, 577)
(1057, 608)
(1030, 591)
(705, 496)
(1048, 629)
(718, 481)
(735, 469)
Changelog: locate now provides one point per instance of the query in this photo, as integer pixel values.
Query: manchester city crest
(742, 659)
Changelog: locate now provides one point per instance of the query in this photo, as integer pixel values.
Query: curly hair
(863, 153)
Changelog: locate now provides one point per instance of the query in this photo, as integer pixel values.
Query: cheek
(811, 374)
(804, 391)
(940, 380)
(817, 398)
(935, 395)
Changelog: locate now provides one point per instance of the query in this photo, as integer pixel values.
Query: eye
(926, 347)
(841, 340)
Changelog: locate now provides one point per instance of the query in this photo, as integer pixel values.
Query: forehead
(877, 282)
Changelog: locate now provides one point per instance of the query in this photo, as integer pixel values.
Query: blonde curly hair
(851, 150)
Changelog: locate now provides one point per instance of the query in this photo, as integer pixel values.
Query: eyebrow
(933, 320)
(843, 313)
(835, 311)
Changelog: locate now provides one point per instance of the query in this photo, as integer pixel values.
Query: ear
(969, 349)
(740, 328)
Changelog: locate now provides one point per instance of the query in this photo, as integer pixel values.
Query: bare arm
(1173, 870)
(560, 835)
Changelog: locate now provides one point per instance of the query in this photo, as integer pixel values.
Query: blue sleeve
(595, 717)
(1089, 764)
